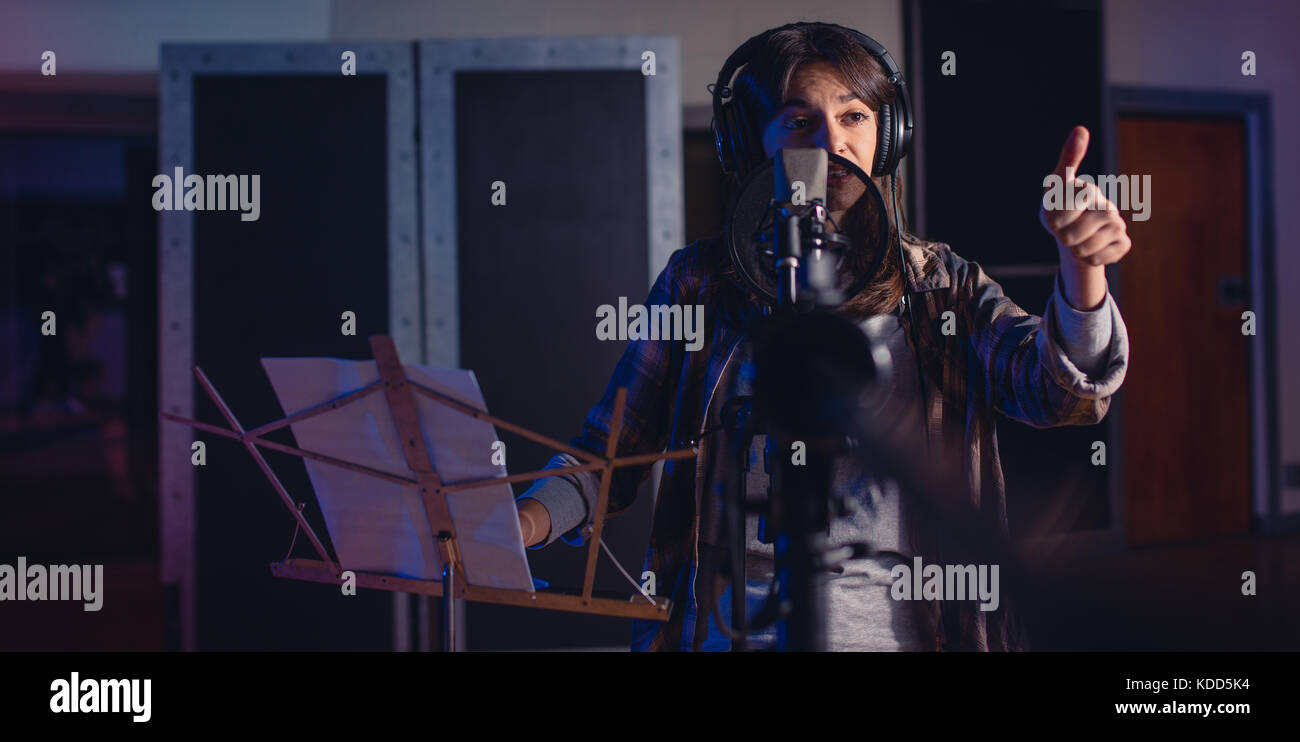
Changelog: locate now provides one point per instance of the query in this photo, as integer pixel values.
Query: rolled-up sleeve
(1084, 352)
(1084, 335)
(568, 499)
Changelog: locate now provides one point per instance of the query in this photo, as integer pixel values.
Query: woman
(815, 85)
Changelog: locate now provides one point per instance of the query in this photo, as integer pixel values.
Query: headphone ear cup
(885, 144)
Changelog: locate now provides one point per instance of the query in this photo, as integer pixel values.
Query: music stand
(400, 391)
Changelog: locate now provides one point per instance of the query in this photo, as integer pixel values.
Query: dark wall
(277, 287)
(570, 147)
(1026, 73)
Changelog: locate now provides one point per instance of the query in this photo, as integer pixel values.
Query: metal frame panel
(441, 59)
(179, 64)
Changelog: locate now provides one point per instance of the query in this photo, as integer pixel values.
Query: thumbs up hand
(1088, 229)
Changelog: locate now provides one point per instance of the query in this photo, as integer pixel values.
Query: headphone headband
(732, 130)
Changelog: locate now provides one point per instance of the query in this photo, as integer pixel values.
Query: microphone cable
(910, 300)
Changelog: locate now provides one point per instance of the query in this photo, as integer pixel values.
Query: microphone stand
(801, 507)
(811, 366)
(799, 510)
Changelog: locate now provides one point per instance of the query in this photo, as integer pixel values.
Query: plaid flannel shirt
(1000, 359)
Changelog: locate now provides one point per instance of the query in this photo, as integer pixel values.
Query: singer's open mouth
(836, 175)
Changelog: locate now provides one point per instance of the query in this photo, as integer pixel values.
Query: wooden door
(1186, 419)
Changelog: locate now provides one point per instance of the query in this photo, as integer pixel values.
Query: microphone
(806, 275)
(801, 176)
(779, 229)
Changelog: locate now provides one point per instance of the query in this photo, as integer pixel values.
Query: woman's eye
(796, 123)
(858, 117)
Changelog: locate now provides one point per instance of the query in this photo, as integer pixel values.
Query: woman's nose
(830, 139)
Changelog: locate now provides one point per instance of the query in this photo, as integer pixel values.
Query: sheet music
(380, 526)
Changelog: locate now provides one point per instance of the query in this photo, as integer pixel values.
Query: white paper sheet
(381, 526)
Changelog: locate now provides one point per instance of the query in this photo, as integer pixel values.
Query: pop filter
(748, 228)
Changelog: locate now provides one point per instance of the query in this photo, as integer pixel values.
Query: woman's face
(821, 111)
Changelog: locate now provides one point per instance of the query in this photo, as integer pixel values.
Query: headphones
(732, 131)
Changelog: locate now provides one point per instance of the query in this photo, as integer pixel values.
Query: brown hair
(760, 87)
